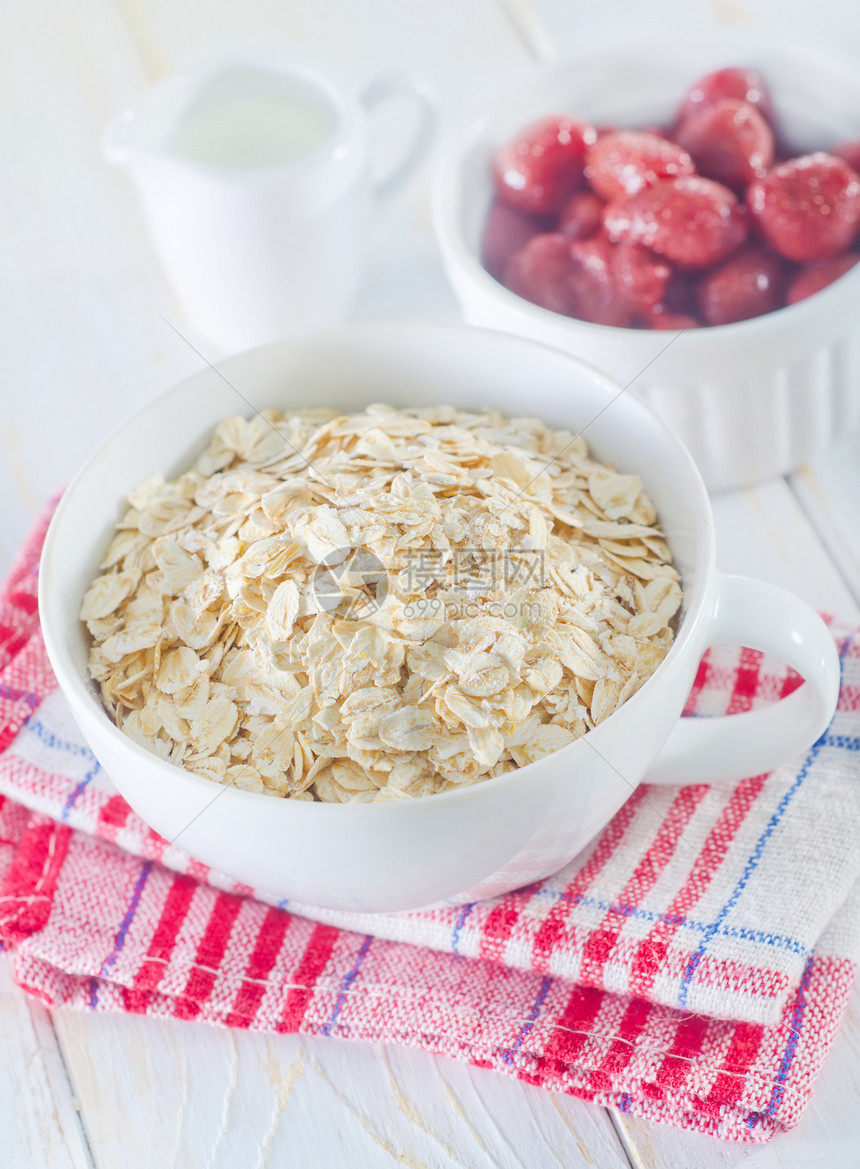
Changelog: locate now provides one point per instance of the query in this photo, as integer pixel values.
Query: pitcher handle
(399, 85)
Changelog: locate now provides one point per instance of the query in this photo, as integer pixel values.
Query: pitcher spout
(118, 147)
(141, 133)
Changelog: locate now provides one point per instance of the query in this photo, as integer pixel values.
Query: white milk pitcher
(255, 183)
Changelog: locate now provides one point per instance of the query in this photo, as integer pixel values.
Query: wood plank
(39, 1122)
(162, 1092)
(460, 51)
(829, 492)
(81, 338)
(568, 27)
(763, 532)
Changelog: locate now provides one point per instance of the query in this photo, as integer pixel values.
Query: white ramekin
(752, 399)
(476, 841)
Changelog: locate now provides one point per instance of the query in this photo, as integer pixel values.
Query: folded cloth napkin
(691, 966)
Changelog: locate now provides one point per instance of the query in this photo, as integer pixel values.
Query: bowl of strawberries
(686, 217)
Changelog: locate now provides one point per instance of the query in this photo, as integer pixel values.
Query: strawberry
(692, 222)
(581, 216)
(818, 274)
(505, 231)
(628, 160)
(615, 283)
(729, 141)
(748, 284)
(738, 84)
(850, 153)
(680, 296)
(641, 277)
(808, 208)
(594, 279)
(542, 166)
(542, 272)
(591, 279)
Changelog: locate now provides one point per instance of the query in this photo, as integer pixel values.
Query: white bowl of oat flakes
(373, 657)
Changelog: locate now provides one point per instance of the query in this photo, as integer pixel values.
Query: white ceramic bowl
(481, 840)
(752, 399)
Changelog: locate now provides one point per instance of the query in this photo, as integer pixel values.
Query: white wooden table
(82, 343)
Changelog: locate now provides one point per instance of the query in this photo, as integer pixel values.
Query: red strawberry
(505, 231)
(808, 208)
(850, 152)
(729, 141)
(582, 215)
(681, 295)
(817, 275)
(640, 276)
(540, 168)
(739, 84)
(597, 292)
(628, 160)
(691, 221)
(542, 273)
(748, 284)
(591, 279)
(614, 283)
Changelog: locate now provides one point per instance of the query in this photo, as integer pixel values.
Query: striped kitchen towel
(691, 966)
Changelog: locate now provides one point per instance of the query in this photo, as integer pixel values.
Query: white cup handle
(730, 747)
(398, 85)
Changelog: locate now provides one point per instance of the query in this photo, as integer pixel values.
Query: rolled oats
(380, 605)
